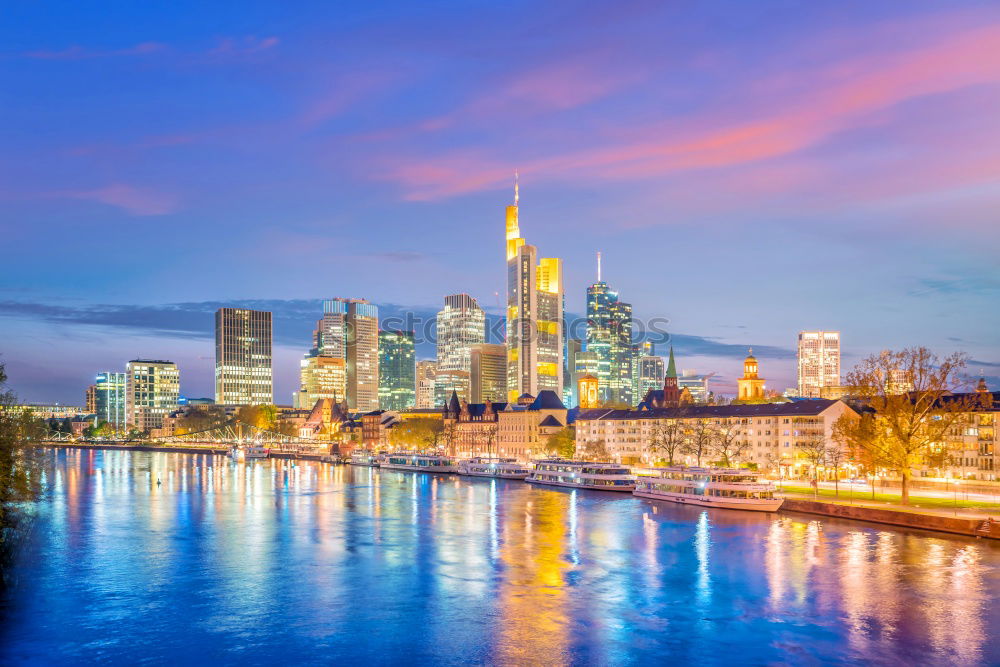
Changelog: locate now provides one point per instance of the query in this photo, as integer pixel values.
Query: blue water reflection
(276, 562)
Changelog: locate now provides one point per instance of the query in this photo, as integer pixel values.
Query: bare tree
(697, 439)
(595, 451)
(911, 408)
(836, 456)
(666, 437)
(728, 441)
(813, 447)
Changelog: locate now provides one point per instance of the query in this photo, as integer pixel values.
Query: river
(183, 558)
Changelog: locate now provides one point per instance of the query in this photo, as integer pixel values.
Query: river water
(281, 562)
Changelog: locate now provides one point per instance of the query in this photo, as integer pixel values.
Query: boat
(364, 457)
(582, 475)
(710, 487)
(488, 467)
(248, 452)
(418, 462)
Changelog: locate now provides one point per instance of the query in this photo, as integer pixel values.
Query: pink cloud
(839, 98)
(134, 200)
(246, 45)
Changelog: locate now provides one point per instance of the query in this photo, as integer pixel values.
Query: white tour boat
(248, 452)
(582, 475)
(710, 487)
(487, 467)
(418, 462)
(364, 457)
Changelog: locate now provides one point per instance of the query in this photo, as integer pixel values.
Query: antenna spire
(516, 196)
(598, 266)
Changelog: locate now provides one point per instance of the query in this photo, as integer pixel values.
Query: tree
(418, 433)
(910, 408)
(728, 441)
(562, 443)
(813, 448)
(836, 455)
(198, 418)
(697, 438)
(666, 437)
(595, 451)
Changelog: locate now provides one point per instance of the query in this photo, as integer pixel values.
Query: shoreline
(883, 516)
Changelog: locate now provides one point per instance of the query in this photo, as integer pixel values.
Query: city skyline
(801, 140)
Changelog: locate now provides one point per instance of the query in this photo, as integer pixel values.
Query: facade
(651, 373)
(773, 433)
(397, 370)
(348, 330)
(487, 372)
(447, 383)
(516, 430)
(152, 391)
(587, 390)
(109, 391)
(696, 384)
(90, 399)
(819, 362)
(750, 387)
(321, 377)
(243, 357)
(426, 377)
(534, 315)
(460, 325)
(574, 346)
(609, 337)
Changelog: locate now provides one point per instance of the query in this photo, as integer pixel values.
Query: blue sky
(747, 170)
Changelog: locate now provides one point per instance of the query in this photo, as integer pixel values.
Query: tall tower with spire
(609, 338)
(671, 391)
(534, 314)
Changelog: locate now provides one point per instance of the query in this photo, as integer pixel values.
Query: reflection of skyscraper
(534, 315)
(396, 370)
(243, 357)
(461, 324)
(819, 361)
(110, 399)
(609, 337)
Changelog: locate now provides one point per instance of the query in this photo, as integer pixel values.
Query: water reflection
(278, 560)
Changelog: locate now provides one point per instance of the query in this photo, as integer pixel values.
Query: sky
(747, 170)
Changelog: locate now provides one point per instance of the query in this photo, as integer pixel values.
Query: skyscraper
(534, 314)
(487, 373)
(397, 370)
(426, 375)
(650, 374)
(574, 346)
(348, 330)
(243, 357)
(152, 390)
(110, 399)
(609, 337)
(819, 361)
(461, 324)
(321, 377)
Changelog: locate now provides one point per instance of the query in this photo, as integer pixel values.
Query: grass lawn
(915, 500)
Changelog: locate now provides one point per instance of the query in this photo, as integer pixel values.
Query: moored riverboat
(364, 457)
(710, 487)
(582, 475)
(419, 462)
(489, 467)
(248, 452)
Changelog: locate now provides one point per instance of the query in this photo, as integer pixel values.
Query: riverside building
(819, 362)
(397, 371)
(152, 391)
(243, 357)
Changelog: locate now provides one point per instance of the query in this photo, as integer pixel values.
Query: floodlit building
(243, 357)
(109, 390)
(460, 325)
(487, 372)
(696, 384)
(534, 314)
(447, 383)
(348, 330)
(518, 430)
(321, 377)
(152, 391)
(650, 373)
(750, 387)
(397, 370)
(90, 399)
(609, 337)
(819, 362)
(426, 377)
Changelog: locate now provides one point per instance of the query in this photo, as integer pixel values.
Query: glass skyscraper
(243, 357)
(397, 370)
(609, 338)
(110, 399)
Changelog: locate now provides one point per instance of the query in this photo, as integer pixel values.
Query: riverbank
(178, 449)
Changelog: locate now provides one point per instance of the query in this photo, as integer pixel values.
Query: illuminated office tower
(321, 377)
(348, 330)
(152, 390)
(487, 373)
(243, 357)
(110, 399)
(90, 400)
(397, 370)
(426, 376)
(534, 315)
(461, 324)
(609, 337)
(448, 382)
(650, 374)
(819, 361)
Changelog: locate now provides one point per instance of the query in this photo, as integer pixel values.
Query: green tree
(418, 433)
(562, 443)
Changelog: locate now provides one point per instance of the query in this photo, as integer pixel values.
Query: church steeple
(671, 392)
(671, 367)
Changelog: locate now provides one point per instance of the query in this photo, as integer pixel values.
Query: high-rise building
(447, 383)
(534, 315)
(426, 377)
(152, 390)
(461, 324)
(110, 399)
(697, 385)
(574, 346)
(487, 373)
(321, 377)
(90, 400)
(348, 330)
(243, 357)
(397, 370)
(609, 336)
(819, 362)
(650, 374)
